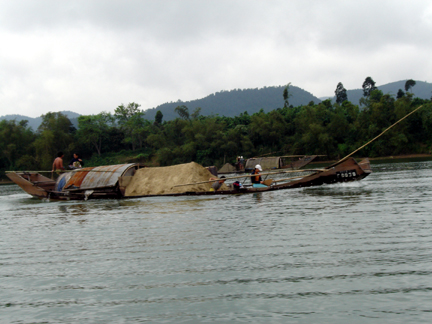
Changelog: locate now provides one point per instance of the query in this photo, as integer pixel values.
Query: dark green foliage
(368, 86)
(183, 112)
(15, 143)
(409, 84)
(286, 95)
(132, 123)
(34, 123)
(341, 93)
(55, 133)
(421, 90)
(158, 117)
(95, 130)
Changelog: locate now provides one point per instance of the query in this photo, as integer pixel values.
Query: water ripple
(354, 252)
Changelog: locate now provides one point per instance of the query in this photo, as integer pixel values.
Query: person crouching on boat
(256, 180)
(217, 184)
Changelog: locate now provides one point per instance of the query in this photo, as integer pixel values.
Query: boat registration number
(346, 174)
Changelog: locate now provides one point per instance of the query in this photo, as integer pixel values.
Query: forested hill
(35, 122)
(233, 103)
(421, 90)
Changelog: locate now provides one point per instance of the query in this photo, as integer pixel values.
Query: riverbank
(408, 156)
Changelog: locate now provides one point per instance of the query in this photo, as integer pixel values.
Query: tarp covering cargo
(75, 178)
(97, 177)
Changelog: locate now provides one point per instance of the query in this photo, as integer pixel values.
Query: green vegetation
(334, 129)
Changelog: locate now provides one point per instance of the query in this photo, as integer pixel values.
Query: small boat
(112, 181)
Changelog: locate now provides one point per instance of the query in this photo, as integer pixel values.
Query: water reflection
(63, 209)
(75, 209)
(258, 197)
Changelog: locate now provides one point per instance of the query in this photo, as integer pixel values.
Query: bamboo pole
(412, 112)
(61, 171)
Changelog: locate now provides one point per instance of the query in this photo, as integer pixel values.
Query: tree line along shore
(333, 129)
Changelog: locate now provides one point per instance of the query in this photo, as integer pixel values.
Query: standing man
(58, 162)
(242, 163)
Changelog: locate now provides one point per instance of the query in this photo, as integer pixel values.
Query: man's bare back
(58, 164)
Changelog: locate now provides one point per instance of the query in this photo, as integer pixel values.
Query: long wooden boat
(111, 181)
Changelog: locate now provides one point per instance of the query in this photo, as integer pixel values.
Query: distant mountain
(233, 103)
(35, 122)
(421, 90)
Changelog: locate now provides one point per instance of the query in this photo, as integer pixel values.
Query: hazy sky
(93, 55)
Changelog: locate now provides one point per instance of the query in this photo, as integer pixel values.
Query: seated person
(76, 162)
(217, 184)
(256, 180)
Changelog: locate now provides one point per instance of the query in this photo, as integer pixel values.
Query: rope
(412, 112)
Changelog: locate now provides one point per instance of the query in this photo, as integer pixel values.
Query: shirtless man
(58, 162)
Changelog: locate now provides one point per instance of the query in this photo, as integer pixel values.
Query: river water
(344, 253)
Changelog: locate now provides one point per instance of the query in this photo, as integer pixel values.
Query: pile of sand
(227, 168)
(161, 180)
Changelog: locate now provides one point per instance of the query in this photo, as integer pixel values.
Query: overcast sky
(91, 56)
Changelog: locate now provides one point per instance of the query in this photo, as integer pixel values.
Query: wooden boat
(111, 181)
(343, 171)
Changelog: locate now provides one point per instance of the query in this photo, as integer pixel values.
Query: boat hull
(33, 183)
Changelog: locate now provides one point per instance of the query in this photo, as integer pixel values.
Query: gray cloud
(90, 56)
